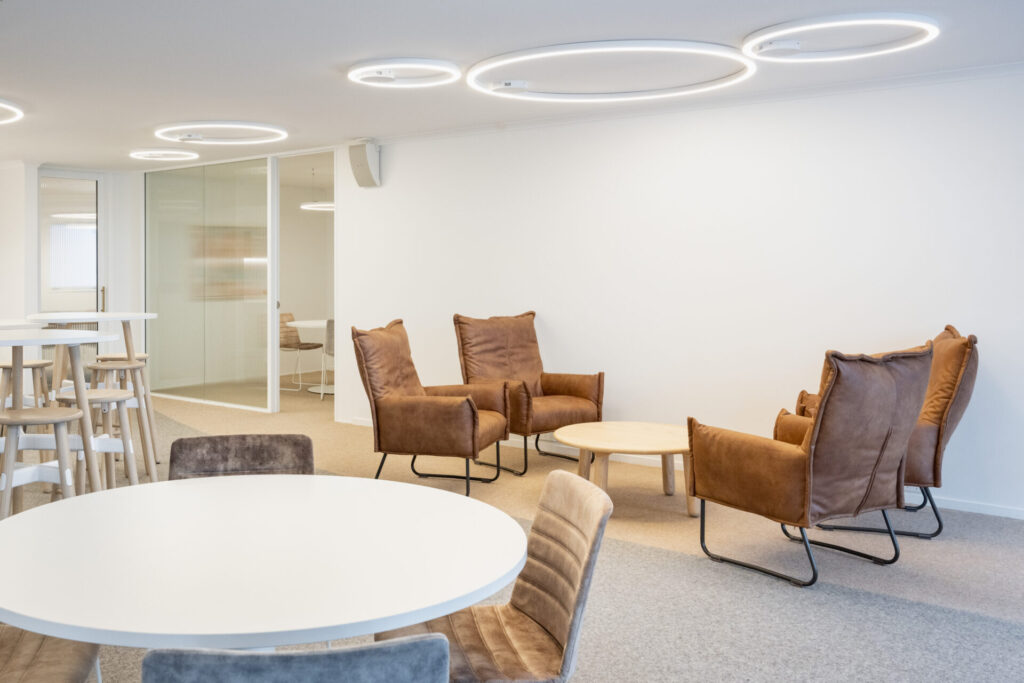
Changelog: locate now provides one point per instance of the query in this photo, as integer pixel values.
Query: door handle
(103, 299)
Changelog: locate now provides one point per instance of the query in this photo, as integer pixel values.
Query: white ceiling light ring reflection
(262, 133)
(757, 45)
(380, 73)
(317, 206)
(163, 155)
(520, 90)
(10, 112)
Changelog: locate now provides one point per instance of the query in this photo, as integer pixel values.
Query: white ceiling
(95, 78)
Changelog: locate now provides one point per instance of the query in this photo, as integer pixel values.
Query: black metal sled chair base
(466, 477)
(928, 501)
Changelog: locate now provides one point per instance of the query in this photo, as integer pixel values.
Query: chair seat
(29, 364)
(28, 417)
(32, 658)
(493, 643)
(492, 427)
(105, 357)
(302, 346)
(98, 396)
(117, 365)
(552, 412)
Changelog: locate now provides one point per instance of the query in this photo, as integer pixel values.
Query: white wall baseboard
(982, 508)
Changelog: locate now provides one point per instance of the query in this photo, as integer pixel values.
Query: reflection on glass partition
(206, 278)
(67, 244)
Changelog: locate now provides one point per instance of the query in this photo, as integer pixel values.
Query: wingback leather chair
(950, 385)
(410, 419)
(850, 462)
(505, 348)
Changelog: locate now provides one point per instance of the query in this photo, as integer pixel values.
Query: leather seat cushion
(493, 643)
(552, 412)
(492, 427)
(28, 657)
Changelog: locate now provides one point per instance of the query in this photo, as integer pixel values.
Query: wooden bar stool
(40, 387)
(142, 356)
(132, 371)
(103, 398)
(16, 421)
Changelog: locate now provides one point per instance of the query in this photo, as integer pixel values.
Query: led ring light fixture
(163, 155)
(519, 90)
(381, 73)
(773, 44)
(9, 113)
(192, 132)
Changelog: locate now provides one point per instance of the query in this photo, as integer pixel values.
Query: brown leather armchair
(410, 419)
(954, 369)
(505, 348)
(849, 463)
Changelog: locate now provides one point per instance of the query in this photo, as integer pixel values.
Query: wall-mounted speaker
(364, 157)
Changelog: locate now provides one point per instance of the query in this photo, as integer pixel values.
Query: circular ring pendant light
(519, 90)
(776, 43)
(163, 155)
(249, 133)
(383, 73)
(9, 112)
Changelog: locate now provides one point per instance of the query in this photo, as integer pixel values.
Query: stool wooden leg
(126, 440)
(5, 387)
(67, 486)
(78, 374)
(7, 471)
(145, 433)
(108, 458)
(150, 412)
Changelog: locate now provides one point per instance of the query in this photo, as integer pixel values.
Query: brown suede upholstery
(535, 636)
(950, 385)
(851, 461)
(410, 419)
(27, 657)
(218, 456)
(505, 348)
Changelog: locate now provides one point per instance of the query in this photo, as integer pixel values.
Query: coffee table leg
(601, 470)
(692, 504)
(668, 473)
(583, 468)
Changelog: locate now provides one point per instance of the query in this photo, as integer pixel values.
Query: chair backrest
(500, 347)
(218, 456)
(561, 552)
(857, 446)
(329, 342)
(954, 370)
(415, 659)
(289, 335)
(385, 362)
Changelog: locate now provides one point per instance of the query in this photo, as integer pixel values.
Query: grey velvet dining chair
(416, 659)
(218, 456)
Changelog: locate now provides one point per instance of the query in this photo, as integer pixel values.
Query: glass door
(207, 279)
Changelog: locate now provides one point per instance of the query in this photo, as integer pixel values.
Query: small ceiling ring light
(163, 155)
(10, 112)
(520, 90)
(317, 206)
(779, 43)
(194, 133)
(382, 73)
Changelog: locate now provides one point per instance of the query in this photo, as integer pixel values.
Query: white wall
(706, 259)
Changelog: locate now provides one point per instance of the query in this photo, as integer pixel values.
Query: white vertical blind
(73, 256)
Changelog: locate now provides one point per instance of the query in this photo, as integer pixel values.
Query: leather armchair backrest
(385, 362)
(869, 406)
(500, 347)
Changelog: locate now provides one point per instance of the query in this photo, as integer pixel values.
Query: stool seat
(106, 357)
(117, 365)
(98, 396)
(27, 417)
(28, 365)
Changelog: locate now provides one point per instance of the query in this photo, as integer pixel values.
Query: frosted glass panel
(206, 277)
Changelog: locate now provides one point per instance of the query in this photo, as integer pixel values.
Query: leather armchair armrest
(750, 473)
(807, 404)
(590, 387)
(428, 425)
(792, 428)
(486, 395)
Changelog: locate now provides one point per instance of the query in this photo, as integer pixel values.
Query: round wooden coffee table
(633, 438)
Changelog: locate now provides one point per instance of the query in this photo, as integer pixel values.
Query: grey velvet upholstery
(217, 456)
(535, 636)
(28, 657)
(418, 659)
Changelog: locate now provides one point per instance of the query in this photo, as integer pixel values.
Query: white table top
(18, 324)
(642, 438)
(37, 337)
(308, 324)
(88, 317)
(251, 561)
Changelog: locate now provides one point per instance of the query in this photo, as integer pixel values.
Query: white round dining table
(313, 325)
(251, 561)
(18, 324)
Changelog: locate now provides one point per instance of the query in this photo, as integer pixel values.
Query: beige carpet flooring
(950, 609)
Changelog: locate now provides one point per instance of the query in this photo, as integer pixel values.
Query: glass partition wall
(207, 278)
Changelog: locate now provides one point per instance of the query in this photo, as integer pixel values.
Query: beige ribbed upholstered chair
(535, 636)
(28, 657)
(328, 351)
(290, 341)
